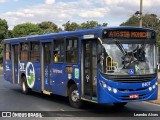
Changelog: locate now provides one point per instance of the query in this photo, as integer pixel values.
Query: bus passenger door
(15, 64)
(46, 63)
(89, 69)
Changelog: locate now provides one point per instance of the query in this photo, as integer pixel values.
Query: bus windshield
(128, 59)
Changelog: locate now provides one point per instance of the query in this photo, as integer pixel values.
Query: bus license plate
(133, 96)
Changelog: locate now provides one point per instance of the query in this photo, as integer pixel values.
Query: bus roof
(79, 32)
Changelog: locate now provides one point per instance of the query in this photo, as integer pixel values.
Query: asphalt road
(11, 99)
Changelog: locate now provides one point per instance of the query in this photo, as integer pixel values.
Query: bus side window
(24, 52)
(35, 51)
(58, 51)
(7, 52)
(72, 50)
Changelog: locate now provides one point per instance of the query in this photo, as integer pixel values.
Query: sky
(113, 12)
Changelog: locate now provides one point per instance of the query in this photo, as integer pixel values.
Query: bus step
(46, 92)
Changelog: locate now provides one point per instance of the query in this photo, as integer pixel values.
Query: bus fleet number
(146, 84)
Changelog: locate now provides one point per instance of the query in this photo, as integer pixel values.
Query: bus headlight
(104, 84)
(109, 88)
(115, 90)
(150, 88)
(154, 87)
(156, 83)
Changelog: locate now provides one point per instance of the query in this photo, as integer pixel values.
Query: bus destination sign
(128, 34)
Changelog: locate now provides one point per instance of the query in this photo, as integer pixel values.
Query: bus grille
(131, 79)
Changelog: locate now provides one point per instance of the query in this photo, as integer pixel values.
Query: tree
(71, 26)
(132, 21)
(92, 24)
(25, 29)
(9, 34)
(3, 31)
(89, 24)
(48, 26)
(149, 21)
(104, 24)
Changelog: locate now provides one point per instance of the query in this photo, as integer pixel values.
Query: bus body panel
(8, 71)
(14, 59)
(37, 84)
(16, 73)
(60, 77)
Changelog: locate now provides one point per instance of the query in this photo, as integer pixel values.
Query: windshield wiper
(128, 57)
(117, 42)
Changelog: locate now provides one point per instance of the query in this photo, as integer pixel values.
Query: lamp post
(140, 21)
(139, 13)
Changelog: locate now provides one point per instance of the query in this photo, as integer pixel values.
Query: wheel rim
(75, 96)
(23, 87)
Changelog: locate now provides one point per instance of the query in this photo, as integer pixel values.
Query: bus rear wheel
(74, 99)
(24, 86)
(120, 104)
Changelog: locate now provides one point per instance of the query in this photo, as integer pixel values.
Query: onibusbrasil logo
(30, 74)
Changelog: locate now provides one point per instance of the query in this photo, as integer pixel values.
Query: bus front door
(46, 63)
(89, 75)
(14, 58)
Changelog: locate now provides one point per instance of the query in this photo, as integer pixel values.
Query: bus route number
(146, 84)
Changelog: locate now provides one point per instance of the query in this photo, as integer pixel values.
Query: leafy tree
(48, 26)
(104, 24)
(25, 29)
(71, 26)
(3, 31)
(89, 24)
(132, 21)
(68, 26)
(9, 34)
(149, 21)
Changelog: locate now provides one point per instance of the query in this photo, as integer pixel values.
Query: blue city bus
(102, 65)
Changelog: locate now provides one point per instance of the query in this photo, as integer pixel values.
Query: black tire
(76, 103)
(25, 89)
(120, 104)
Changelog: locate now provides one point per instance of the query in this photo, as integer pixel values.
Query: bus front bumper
(109, 94)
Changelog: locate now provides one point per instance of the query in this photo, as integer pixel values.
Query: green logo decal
(76, 73)
(30, 74)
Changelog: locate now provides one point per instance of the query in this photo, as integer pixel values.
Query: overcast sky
(114, 12)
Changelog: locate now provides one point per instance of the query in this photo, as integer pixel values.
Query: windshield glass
(127, 59)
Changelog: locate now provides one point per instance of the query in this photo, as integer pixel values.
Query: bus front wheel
(74, 99)
(25, 88)
(120, 104)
